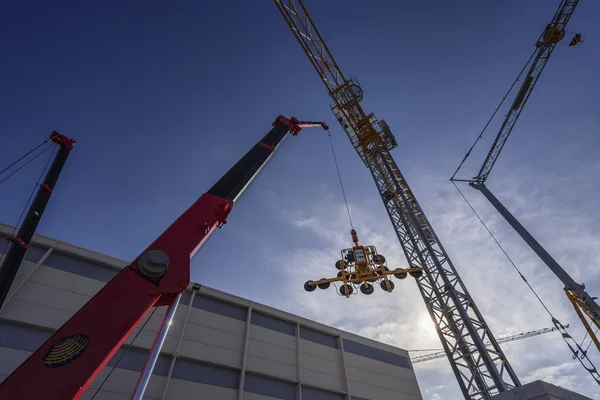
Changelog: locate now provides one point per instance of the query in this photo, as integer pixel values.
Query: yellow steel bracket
(581, 308)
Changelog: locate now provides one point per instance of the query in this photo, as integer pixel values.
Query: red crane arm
(65, 365)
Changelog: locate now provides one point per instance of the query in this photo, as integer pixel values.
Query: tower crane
(506, 339)
(478, 362)
(584, 304)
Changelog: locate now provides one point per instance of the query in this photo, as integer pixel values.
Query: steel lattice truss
(474, 354)
(512, 338)
(476, 358)
(545, 48)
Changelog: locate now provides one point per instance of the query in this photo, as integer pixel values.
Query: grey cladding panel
(22, 337)
(309, 393)
(34, 253)
(134, 360)
(191, 370)
(376, 354)
(269, 387)
(219, 307)
(80, 266)
(30, 338)
(185, 298)
(318, 337)
(185, 369)
(273, 323)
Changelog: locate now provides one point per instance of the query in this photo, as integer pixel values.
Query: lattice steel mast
(553, 33)
(477, 360)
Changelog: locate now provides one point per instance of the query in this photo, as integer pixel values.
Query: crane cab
(551, 35)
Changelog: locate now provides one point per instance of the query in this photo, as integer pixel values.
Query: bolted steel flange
(153, 263)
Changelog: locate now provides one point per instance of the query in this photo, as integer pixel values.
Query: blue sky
(164, 99)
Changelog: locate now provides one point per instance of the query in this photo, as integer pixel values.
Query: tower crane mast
(475, 356)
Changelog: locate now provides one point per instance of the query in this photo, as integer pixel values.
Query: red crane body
(67, 363)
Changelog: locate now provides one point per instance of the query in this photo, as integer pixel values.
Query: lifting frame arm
(65, 365)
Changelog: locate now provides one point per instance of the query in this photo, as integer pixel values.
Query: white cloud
(567, 228)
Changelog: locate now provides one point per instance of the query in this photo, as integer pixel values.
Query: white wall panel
(272, 337)
(378, 367)
(214, 337)
(217, 355)
(384, 381)
(35, 314)
(318, 350)
(216, 321)
(254, 396)
(122, 383)
(270, 367)
(184, 390)
(379, 393)
(321, 380)
(104, 395)
(24, 270)
(50, 296)
(321, 365)
(271, 352)
(66, 280)
(10, 359)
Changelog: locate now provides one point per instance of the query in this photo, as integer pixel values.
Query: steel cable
(493, 115)
(26, 154)
(337, 167)
(123, 355)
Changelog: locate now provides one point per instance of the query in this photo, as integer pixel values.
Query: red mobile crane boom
(65, 365)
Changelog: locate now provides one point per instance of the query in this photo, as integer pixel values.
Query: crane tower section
(475, 356)
(552, 34)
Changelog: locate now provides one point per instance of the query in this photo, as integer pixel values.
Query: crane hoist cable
(39, 180)
(337, 167)
(575, 348)
(124, 352)
(26, 163)
(492, 117)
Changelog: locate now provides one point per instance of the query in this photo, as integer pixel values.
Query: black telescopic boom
(236, 180)
(20, 243)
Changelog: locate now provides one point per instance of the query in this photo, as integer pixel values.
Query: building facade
(219, 346)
